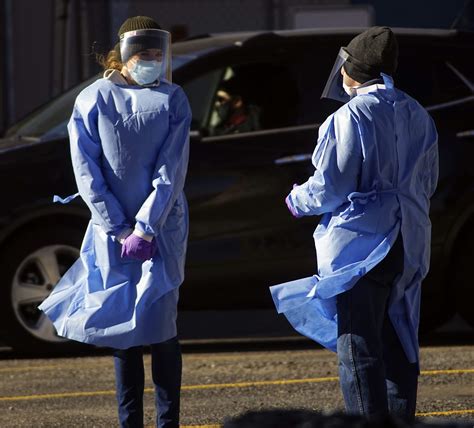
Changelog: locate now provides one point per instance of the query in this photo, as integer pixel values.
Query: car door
(441, 79)
(242, 237)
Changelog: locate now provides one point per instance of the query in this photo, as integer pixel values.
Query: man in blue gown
(376, 168)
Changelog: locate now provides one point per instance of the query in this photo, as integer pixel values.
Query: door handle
(302, 157)
(465, 134)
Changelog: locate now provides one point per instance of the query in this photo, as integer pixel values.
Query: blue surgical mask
(145, 72)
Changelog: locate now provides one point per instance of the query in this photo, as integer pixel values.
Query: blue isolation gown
(376, 168)
(130, 150)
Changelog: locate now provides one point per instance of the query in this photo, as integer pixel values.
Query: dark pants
(375, 375)
(130, 382)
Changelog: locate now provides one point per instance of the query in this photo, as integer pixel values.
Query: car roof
(206, 43)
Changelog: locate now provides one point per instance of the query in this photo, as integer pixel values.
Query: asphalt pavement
(219, 381)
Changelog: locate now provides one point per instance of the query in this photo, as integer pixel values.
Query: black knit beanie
(136, 23)
(370, 53)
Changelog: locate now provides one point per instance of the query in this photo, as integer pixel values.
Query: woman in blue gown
(129, 136)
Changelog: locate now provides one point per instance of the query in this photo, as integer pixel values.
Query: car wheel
(34, 262)
(462, 277)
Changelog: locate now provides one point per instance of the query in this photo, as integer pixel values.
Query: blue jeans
(375, 375)
(166, 367)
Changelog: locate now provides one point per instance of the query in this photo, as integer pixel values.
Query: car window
(200, 92)
(430, 81)
(312, 72)
(253, 97)
(465, 66)
(414, 76)
(52, 117)
(50, 120)
(447, 84)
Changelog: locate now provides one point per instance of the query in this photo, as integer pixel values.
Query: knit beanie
(136, 23)
(370, 53)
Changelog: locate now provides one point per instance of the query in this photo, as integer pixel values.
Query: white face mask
(145, 72)
(350, 90)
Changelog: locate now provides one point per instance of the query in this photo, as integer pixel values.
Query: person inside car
(235, 110)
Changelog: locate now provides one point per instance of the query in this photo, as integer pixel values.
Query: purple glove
(292, 210)
(138, 248)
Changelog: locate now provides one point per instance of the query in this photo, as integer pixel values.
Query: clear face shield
(334, 88)
(147, 55)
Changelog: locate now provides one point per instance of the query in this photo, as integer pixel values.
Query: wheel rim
(33, 281)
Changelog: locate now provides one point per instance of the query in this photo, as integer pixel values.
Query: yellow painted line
(29, 368)
(306, 380)
(55, 367)
(60, 395)
(215, 386)
(260, 383)
(450, 371)
(224, 357)
(447, 413)
(183, 388)
(26, 369)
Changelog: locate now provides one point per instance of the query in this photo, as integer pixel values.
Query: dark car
(242, 237)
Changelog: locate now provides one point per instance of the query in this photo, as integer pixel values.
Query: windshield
(50, 120)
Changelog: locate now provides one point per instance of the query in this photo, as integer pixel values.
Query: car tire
(34, 260)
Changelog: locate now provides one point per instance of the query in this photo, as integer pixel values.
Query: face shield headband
(334, 88)
(156, 43)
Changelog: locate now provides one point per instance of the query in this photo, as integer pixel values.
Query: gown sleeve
(86, 153)
(338, 160)
(432, 161)
(170, 169)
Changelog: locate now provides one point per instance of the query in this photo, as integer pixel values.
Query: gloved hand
(138, 248)
(122, 236)
(291, 209)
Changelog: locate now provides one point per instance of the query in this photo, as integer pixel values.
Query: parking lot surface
(79, 391)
